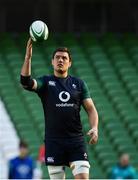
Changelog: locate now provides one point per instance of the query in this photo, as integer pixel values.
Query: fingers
(29, 43)
(90, 132)
(94, 135)
(93, 130)
(93, 139)
(29, 49)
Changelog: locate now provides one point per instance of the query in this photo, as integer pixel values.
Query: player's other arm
(92, 113)
(93, 119)
(25, 79)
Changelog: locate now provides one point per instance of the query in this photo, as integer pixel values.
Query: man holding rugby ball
(62, 96)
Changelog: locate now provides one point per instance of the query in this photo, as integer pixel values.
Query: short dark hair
(62, 49)
(23, 144)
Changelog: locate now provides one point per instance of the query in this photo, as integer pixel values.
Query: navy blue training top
(61, 99)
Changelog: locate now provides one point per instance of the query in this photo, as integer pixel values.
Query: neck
(61, 75)
(22, 156)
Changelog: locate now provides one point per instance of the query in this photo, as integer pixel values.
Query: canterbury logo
(64, 96)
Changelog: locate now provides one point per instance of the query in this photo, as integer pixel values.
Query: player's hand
(28, 54)
(93, 133)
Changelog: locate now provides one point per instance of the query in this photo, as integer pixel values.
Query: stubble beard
(60, 71)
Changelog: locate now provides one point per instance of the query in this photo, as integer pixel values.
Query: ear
(52, 61)
(70, 63)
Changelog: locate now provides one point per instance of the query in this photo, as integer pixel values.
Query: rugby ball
(38, 31)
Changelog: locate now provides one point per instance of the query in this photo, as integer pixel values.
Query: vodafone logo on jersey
(64, 96)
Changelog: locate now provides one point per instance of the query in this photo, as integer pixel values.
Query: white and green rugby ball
(38, 31)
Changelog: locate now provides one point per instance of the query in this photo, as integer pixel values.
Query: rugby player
(62, 96)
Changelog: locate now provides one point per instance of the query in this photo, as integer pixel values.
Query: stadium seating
(109, 65)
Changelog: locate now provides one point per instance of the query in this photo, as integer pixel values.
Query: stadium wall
(98, 16)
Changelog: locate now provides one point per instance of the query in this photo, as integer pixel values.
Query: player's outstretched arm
(26, 80)
(93, 119)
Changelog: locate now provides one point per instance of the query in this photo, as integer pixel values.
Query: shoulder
(45, 77)
(14, 160)
(42, 80)
(29, 158)
(76, 82)
(131, 168)
(116, 168)
(76, 79)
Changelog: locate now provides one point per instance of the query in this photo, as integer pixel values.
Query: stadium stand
(108, 64)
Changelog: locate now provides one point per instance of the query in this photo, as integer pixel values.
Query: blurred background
(102, 36)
